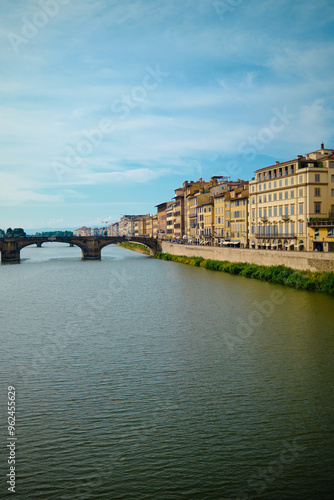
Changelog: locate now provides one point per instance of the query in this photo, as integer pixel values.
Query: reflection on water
(139, 378)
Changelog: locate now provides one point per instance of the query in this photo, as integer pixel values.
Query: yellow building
(219, 227)
(148, 226)
(222, 199)
(227, 219)
(286, 196)
(190, 190)
(195, 194)
(205, 219)
(239, 216)
(321, 234)
(140, 226)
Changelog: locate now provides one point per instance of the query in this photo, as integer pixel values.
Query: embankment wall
(312, 261)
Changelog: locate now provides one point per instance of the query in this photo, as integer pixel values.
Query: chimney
(322, 145)
(277, 162)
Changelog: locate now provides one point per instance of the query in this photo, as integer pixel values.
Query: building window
(260, 199)
(316, 191)
(260, 212)
(269, 185)
(301, 209)
(332, 177)
(332, 192)
(316, 234)
(275, 196)
(301, 228)
(281, 210)
(292, 194)
(286, 195)
(275, 183)
(330, 232)
(292, 181)
(280, 196)
(317, 208)
(301, 192)
(280, 183)
(253, 213)
(292, 229)
(317, 177)
(264, 199)
(275, 211)
(253, 189)
(264, 186)
(269, 197)
(269, 212)
(292, 208)
(300, 178)
(286, 182)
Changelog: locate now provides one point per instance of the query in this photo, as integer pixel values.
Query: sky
(108, 106)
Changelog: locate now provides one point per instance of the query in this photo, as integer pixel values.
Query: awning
(226, 242)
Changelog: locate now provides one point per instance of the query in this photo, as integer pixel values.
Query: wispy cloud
(225, 77)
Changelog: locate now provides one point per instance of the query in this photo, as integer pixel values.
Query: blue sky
(108, 106)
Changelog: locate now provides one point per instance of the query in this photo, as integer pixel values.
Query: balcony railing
(277, 236)
(319, 223)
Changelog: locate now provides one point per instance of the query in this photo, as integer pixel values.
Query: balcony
(277, 236)
(321, 222)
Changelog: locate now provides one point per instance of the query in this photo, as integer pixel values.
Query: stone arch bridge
(91, 246)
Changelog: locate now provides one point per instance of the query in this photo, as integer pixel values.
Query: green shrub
(303, 280)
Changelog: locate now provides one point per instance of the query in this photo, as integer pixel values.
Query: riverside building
(287, 197)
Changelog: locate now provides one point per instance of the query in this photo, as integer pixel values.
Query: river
(137, 378)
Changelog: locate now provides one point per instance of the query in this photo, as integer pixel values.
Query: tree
(17, 232)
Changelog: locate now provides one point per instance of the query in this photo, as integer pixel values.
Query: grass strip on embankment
(303, 280)
(135, 246)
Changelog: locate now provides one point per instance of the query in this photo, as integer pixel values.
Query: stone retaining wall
(312, 261)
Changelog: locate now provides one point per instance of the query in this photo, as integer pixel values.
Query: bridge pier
(39, 245)
(91, 250)
(10, 253)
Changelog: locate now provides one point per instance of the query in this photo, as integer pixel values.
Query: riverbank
(280, 274)
(136, 247)
(299, 260)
